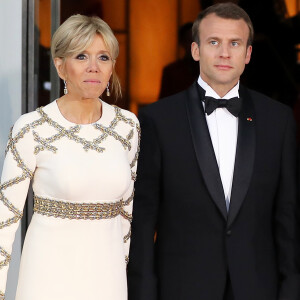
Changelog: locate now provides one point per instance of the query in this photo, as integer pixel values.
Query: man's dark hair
(226, 10)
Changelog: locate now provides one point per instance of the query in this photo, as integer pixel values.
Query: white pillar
(10, 101)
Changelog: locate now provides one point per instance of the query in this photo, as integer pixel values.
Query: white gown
(70, 254)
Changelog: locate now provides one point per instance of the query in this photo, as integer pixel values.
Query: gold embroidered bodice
(92, 167)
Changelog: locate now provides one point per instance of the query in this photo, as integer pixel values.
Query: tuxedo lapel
(204, 148)
(245, 154)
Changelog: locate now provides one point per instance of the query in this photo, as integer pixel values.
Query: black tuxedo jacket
(179, 194)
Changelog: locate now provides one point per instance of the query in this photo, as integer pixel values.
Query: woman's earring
(107, 90)
(65, 88)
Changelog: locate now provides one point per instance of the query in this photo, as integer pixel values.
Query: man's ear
(248, 54)
(195, 51)
(59, 65)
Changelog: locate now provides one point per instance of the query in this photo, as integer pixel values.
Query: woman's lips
(92, 81)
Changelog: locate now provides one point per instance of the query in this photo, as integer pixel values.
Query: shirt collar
(234, 92)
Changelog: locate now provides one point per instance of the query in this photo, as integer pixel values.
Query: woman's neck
(80, 111)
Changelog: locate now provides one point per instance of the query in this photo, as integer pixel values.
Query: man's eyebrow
(212, 38)
(237, 39)
(218, 38)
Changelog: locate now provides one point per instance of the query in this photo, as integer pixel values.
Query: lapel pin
(249, 119)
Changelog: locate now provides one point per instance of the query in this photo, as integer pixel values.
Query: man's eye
(81, 57)
(214, 42)
(104, 57)
(235, 44)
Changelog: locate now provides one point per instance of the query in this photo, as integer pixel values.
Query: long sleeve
(141, 272)
(285, 222)
(18, 168)
(134, 137)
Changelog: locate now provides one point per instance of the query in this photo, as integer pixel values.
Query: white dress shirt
(223, 129)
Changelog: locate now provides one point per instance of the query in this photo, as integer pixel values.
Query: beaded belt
(71, 210)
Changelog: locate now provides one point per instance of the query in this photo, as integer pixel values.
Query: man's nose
(224, 51)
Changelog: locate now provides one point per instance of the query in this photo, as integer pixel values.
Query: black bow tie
(233, 105)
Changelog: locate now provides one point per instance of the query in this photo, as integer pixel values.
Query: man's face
(223, 51)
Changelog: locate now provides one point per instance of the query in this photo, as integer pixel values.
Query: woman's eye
(81, 57)
(104, 57)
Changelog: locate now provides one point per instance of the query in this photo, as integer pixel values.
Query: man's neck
(220, 90)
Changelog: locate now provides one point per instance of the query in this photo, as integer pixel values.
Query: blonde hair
(77, 33)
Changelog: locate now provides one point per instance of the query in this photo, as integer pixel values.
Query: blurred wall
(10, 100)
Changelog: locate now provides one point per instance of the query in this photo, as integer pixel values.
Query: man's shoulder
(265, 104)
(167, 105)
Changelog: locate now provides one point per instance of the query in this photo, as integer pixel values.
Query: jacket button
(228, 232)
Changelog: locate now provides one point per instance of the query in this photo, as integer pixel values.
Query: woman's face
(87, 73)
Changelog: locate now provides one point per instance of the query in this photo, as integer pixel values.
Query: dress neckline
(61, 116)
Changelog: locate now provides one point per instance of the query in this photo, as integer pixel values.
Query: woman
(81, 155)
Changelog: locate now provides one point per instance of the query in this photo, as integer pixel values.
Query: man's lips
(223, 67)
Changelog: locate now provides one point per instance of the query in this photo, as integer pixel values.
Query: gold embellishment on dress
(126, 259)
(10, 206)
(18, 214)
(38, 122)
(61, 209)
(110, 130)
(121, 117)
(9, 140)
(69, 133)
(11, 145)
(126, 215)
(71, 210)
(15, 219)
(85, 211)
(127, 236)
(115, 135)
(127, 202)
(78, 211)
(130, 135)
(7, 257)
(136, 156)
(13, 181)
(8, 222)
(133, 175)
(2, 296)
(18, 136)
(62, 132)
(26, 173)
(45, 143)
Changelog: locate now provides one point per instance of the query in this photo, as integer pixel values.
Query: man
(216, 181)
